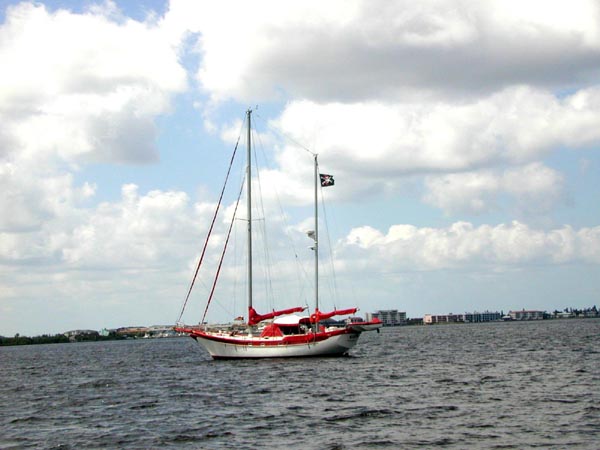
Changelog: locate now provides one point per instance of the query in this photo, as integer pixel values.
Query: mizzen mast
(249, 206)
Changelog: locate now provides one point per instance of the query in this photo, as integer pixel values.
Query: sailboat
(288, 332)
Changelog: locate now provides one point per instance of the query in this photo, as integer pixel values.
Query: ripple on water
(505, 385)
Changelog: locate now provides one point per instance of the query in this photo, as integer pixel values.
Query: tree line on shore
(575, 312)
(57, 339)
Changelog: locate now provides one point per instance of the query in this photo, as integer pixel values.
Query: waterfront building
(77, 333)
(81, 335)
(486, 316)
(156, 331)
(389, 317)
(415, 321)
(526, 315)
(430, 319)
(131, 331)
(469, 317)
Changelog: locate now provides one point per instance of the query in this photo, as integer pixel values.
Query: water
(502, 385)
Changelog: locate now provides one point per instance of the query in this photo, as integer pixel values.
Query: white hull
(333, 346)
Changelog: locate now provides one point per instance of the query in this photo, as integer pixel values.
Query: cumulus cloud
(82, 87)
(534, 187)
(139, 231)
(378, 145)
(408, 248)
(28, 201)
(513, 126)
(384, 92)
(357, 50)
(74, 89)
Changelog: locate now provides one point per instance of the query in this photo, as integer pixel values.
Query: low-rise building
(469, 317)
(81, 335)
(486, 316)
(76, 333)
(131, 331)
(389, 317)
(415, 321)
(524, 314)
(430, 319)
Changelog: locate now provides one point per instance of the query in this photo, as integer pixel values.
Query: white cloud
(82, 87)
(32, 196)
(473, 192)
(123, 262)
(534, 187)
(462, 245)
(537, 188)
(358, 50)
(375, 146)
(386, 91)
(74, 88)
(139, 231)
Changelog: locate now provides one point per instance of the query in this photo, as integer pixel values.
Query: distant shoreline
(52, 339)
(63, 338)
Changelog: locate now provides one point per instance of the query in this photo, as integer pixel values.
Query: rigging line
(212, 291)
(228, 312)
(327, 232)
(187, 297)
(268, 262)
(349, 282)
(333, 276)
(235, 264)
(230, 309)
(286, 136)
(302, 269)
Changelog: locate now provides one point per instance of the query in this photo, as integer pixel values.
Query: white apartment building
(389, 317)
(470, 317)
(526, 315)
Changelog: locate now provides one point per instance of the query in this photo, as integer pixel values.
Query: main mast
(316, 236)
(249, 207)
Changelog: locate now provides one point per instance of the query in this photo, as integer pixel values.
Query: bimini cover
(292, 319)
(271, 330)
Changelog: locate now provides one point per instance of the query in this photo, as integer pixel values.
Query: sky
(463, 137)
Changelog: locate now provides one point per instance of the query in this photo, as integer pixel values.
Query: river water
(497, 385)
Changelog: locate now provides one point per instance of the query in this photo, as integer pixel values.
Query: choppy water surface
(503, 385)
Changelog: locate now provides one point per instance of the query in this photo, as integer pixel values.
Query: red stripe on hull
(299, 339)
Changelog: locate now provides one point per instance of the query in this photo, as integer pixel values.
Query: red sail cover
(254, 317)
(318, 315)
